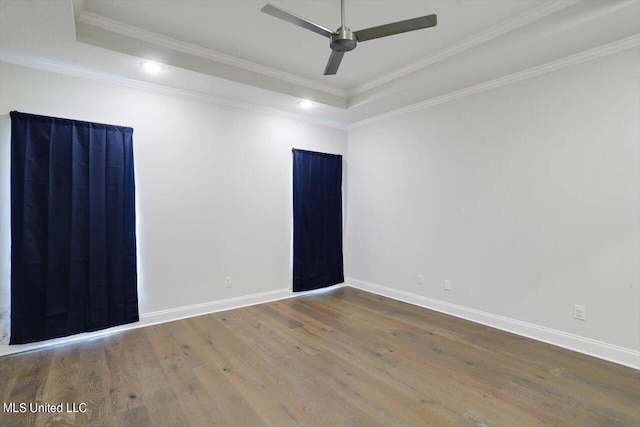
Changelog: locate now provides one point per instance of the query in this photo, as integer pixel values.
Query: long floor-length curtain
(317, 220)
(73, 242)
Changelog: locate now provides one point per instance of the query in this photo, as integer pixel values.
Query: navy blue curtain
(73, 242)
(317, 220)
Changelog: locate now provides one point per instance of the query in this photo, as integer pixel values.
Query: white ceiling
(230, 52)
(239, 29)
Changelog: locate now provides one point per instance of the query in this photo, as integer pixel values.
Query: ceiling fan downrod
(343, 40)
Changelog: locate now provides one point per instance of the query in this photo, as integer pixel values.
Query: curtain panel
(73, 241)
(317, 220)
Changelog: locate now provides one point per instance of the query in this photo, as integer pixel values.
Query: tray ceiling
(229, 50)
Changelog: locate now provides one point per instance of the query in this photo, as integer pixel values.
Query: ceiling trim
(78, 7)
(191, 49)
(64, 69)
(67, 70)
(539, 12)
(587, 55)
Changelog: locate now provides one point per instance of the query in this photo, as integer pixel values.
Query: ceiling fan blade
(296, 20)
(334, 63)
(397, 28)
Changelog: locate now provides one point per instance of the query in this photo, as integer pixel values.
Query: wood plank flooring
(344, 358)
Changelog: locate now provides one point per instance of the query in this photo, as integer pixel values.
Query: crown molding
(78, 8)
(588, 55)
(68, 70)
(539, 12)
(191, 49)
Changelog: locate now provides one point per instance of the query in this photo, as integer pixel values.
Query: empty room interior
(320, 213)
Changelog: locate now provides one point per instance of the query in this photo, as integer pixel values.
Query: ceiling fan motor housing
(343, 40)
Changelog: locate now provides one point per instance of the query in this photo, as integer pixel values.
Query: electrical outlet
(580, 312)
(420, 279)
(447, 285)
(227, 282)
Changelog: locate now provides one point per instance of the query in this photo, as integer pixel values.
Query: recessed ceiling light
(306, 104)
(152, 67)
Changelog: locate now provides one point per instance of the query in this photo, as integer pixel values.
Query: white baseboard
(613, 353)
(602, 350)
(163, 316)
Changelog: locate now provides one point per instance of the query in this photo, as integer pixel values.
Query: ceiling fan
(343, 39)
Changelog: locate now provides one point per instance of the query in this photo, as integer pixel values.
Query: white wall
(526, 197)
(213, 183)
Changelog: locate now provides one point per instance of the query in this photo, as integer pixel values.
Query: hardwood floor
(345, 358)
